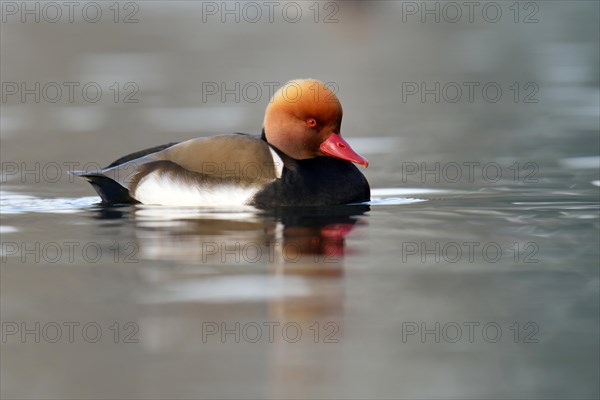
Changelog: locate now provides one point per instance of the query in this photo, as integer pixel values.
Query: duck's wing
(245, 159)
(219, 170)
(139, 154)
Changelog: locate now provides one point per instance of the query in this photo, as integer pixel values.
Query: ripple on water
(392, 201)
(229, 289)
(7, 229)
(386, 196)
(15, 203)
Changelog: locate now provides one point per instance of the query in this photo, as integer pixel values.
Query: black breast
(317, 181)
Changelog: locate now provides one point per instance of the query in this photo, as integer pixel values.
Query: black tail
(109, 191)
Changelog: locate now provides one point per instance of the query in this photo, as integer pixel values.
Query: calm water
(472, 273)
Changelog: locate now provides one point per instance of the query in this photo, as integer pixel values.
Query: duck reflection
(279, 265)
(233, 269)
(314, 239)
(286, 240)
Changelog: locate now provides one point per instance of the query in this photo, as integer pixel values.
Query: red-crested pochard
(301, 159)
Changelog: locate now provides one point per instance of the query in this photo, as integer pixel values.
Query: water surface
(479, 286)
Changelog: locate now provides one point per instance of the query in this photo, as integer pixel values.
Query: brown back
(240, 158)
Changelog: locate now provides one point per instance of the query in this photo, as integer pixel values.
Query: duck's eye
(311, 122)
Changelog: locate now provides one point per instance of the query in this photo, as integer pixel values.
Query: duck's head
(303, 120)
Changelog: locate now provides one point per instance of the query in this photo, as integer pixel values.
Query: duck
(300, 159)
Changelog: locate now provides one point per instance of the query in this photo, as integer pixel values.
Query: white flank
(278, 162)
(159, 189)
